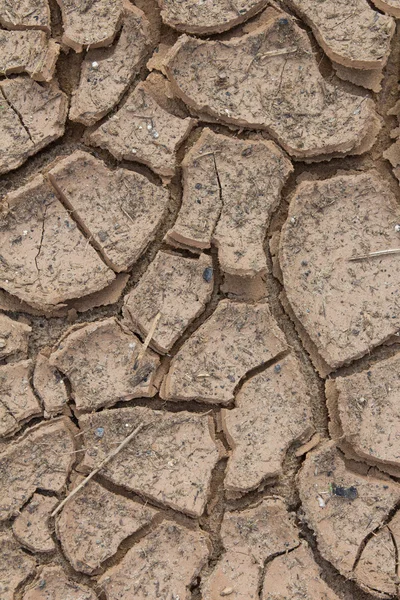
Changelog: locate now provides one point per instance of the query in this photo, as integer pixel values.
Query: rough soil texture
(208, 17)
(178, 289)
(273, 83)
(174, 462)
(199, 300)
(231, 189)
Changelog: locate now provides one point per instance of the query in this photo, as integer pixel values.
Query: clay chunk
(107, 73)
(269, 79)
(392, 154)
(344, 509)
(391, 7)
(53, 584)
(352, 34)
(178, 288)
(164, 564)
(236, 338)
(14, 337)
(364, 409)
(45, 258)
(345, 303)
(273, 412)
(99, 360)
(231, 189)
(208, 17)
(119, 210)
(15, 566)
(31, 527)
(296, 576)
(25, 14)
(249, 537)
(41, 458)
(49, 386)
(94, 523)
(142, 131)
(18, 403)
(90, 24)
(28, 51)
(170, 460)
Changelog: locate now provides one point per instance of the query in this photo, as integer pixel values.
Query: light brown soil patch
(371, 79)
(14, 337)
(49, 386)
(28, 51)
(25, 14)
(32, 527)
(53, 584)
(391, 7)
(15, 566)
(17, 400)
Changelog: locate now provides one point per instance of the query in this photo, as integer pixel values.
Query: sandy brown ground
(200, 243)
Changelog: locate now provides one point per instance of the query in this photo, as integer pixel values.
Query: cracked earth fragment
(269, 79)
(90, 24)
(141, 130)
(365, 414)
(250, 537)
(93, 523)
(376, 568)
(273, 412)
(208, 17)
(25, 14)
(15, 566)
(49, 386)
(170, 460)
(28, 51)
(45, 258)
(107, 73)
(391, 7)
(41, 458)
(352, 34)
(31, 117)
(345, 306)
(231, 189)
(18, 403)
(344, 509)
(178, 288)
(14, 337)
(165, 563)
(236, 338)
(31, 527)
(100, 378)
(119, 210)
(53, 584)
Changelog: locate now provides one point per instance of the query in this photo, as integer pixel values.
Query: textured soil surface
(199, 300)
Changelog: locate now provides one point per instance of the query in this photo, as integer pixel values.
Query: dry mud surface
(199, 300)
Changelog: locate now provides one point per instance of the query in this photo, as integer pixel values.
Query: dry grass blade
(147, 340)
(378, 253)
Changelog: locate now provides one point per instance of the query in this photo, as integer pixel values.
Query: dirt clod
(31, 527)
(15, 566)
(28, 51)
(14, 337)
(49, 386)
(18, 403)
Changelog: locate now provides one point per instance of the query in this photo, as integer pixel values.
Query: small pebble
(155, 134)
(277, 368)
(397, 228)
(149, 126)
(99, 432)
(95, 65)
(208, 274)
(134, 150)
(227, 591)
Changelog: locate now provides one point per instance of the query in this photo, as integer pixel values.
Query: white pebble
(95, 64)
(397, 228)
(134, 151)
(155, 134)
(149, 126)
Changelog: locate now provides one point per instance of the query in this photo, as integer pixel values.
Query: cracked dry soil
(200, 243)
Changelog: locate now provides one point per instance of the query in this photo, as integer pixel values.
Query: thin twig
(378, 253)
(147, 340)
(97, 469)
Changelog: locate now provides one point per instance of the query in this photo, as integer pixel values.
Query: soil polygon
(15, 566)
(28, 51)
(53, 584)
(18, 403)
(32, 527)
(25, 14)
(14, 337)
(49, 386)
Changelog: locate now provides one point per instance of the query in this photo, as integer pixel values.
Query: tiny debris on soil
(364, 411)
(107, 73)
(273, 412)
(100, 378)
(295, 575)
(141, 130)
(202, 18)
(18, 403)
(211, 363)
(45, 258)
(41, 458)
(350, 33)
(166, 562)
(391, 7)
(14, 337)
(250, 538)
(94, 523)
(31, 527)
(307, 115)
(28, 51)
(342, 524)
(119, 210)
(178, 288)
(346, 308)
(52, 584)
(90, 24)
(25, 14)
(170, 460)
(231, 189)
(49, 386)
(15, 566)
